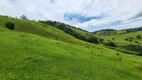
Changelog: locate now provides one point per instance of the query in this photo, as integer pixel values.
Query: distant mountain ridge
(129, 29)
(134, 29)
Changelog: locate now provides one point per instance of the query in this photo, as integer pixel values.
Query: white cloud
(126, 11)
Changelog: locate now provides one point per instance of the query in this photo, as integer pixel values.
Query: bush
(10, 25)
(126, 39)
(136, 42)
(117, 54)
(138, 36)
(110, 43)
(93, 39)
(113, 38)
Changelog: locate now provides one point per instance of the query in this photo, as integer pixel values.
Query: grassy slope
(46, 31)
(76, 32)
(25, 56)
(108, 32)
(120, 38)
(43, 30)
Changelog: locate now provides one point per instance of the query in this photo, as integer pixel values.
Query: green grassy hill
(41, 29)
(73, 31)
(24, 56)
(126, 41)
(37, 51)
(109, 32)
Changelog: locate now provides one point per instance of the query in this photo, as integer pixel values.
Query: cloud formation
(90, 15)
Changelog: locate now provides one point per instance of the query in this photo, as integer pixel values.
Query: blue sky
(90, 15)
(80, 18)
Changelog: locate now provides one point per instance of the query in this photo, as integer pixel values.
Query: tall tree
(24, 17)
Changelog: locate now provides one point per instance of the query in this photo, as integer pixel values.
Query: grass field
(119, 38)
(29, 57)
(35, 51)
(43, 30)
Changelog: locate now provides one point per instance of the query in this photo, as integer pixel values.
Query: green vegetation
(106, 32)
(24, 17)
(41, 29)
(110, 43)
(10, 25)
(37, 51)
(27, 57)
(75, 32)
(127, 41)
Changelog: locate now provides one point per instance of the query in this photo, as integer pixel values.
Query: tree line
(68, 29)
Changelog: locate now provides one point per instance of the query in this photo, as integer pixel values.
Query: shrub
(136, 42)
(138, 36)
(110, 43)
(10, 25)
(117, 54)
(126, 39)
(113, 38)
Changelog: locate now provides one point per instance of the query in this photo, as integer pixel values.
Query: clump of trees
(126, 39)
(10, 25)
(105, 32)
(92, 39)
(24, 17)
(136, 42)
(101, 40)
(135, 48)
(110, 43)
(113, 38)
(133, 29)
(117, 54)
(130, 39)
(139, 37)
